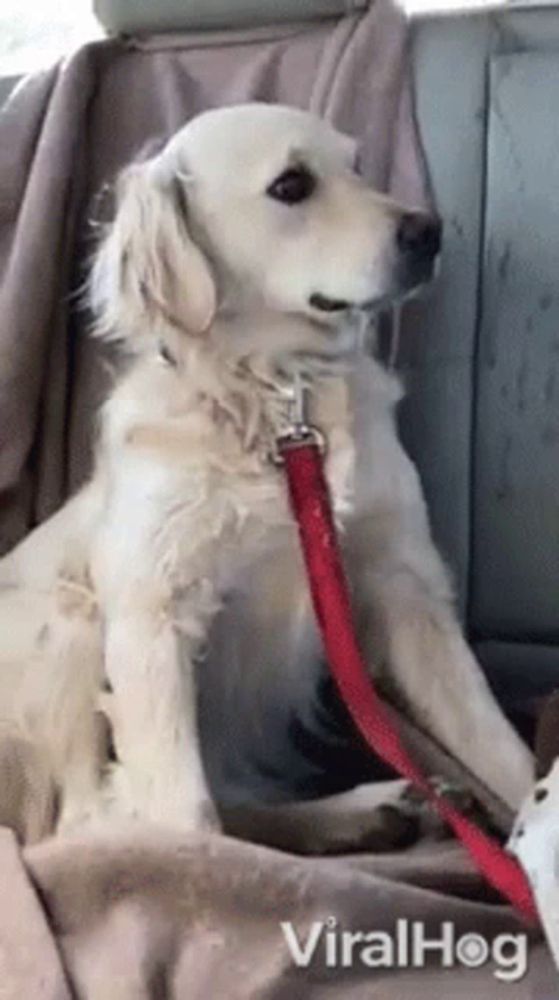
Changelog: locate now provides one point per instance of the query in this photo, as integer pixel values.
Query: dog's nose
(419, 234)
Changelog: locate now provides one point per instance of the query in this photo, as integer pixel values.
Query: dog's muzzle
(418, 241)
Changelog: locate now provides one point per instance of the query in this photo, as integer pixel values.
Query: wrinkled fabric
(142, 915)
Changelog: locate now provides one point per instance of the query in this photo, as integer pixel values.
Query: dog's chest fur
(190, 452)
(185, 458)
(185, 455)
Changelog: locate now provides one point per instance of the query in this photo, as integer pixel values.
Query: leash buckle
(300, 432)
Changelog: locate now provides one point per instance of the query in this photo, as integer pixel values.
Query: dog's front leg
(151, 704)
(448, 694)
(410, 630)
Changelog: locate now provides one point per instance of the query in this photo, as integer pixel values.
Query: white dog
(246, 251)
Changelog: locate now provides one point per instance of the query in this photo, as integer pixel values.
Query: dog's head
(254, 207)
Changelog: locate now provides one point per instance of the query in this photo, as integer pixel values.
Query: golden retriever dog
(168, 597)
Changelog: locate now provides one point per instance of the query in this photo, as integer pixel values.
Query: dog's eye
(293, 186)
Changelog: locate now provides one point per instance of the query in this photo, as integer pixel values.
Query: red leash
(310, 501)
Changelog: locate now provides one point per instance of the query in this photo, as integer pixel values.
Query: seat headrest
(147, 16)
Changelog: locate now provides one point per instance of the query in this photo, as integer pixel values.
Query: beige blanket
(149, 913)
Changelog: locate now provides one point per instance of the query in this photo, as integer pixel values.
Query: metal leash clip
(300, 431)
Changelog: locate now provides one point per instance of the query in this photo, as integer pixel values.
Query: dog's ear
(149, 272)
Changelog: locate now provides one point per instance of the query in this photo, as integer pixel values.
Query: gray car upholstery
(138, 16)
(483, 361)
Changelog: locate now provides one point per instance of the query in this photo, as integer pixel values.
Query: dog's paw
(79, 814)
(431, 824)
(129, 799)
(374, 818)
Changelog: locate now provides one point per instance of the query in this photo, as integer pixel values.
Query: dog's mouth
(409, 282)
(327, 305)
(331, 307)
